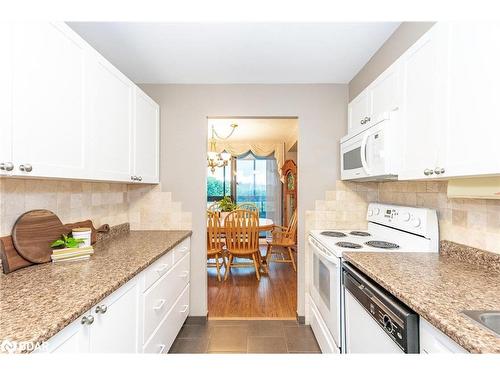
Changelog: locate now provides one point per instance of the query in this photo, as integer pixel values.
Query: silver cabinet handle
(439, 170)
(88, 320)
(428, 172)
(101, 309)
(26, 167)
(6, 166)
(133, 178)
(367, 119)
(362, 122)
(139, 178)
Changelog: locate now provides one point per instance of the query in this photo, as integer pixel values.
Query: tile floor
(245, 336)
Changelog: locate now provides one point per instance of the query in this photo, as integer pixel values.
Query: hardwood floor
(243, 296)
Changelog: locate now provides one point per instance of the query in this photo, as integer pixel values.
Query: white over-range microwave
(372, 154)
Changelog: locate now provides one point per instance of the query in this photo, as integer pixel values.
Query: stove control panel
(417, 220)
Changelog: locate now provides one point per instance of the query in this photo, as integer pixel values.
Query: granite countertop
(438, 288)
(38, 301)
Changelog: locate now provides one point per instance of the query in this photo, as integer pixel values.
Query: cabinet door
(424, 103)
(109, 115)
(146, 138)
(359, 112)
(115, 328)
(70, 340)
(47, 92)
(386, 91)
(473, 131)
(6, 97)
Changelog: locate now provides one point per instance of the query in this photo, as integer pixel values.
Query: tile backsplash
(110, 203)
(472, 222)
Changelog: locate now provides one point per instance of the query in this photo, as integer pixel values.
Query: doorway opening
(251, 217)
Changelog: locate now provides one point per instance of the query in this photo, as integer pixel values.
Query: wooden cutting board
(33, 233)
(11, 260)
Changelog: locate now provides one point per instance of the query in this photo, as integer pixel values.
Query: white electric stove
(390, 228)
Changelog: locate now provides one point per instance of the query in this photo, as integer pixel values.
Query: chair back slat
(215, 241)
(292, 227)
(248, 207)
(242, 232)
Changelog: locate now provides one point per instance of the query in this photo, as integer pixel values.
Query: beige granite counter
(38, 301)
(438, 288)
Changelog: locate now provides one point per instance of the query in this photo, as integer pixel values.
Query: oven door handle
(324, 255)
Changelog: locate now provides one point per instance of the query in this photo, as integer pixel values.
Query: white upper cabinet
(359, 112)
(48, 128)
(6, 165)
(66, 112)
(386, 91)
(146, 139)
(473, 129)
(109, 118)
(423, 104)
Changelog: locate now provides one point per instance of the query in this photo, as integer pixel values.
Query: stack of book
(70, 254)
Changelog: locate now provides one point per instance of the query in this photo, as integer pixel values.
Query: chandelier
(218, 159)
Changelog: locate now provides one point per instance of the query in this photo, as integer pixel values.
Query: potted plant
(66, 242)
(226, 205)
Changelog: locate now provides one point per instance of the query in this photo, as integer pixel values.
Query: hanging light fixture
(218, 159)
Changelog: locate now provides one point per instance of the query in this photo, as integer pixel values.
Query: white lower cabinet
(164, 336)
(434, 341)
(136, 318)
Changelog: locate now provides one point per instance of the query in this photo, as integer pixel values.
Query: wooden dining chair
(215, 243)
(214, 207)
(249, 207)
(242, 240)
(283, 239)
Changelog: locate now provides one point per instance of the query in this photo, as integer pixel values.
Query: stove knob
(377, 211)
(370, 212)
(416, 222)
(405, 216)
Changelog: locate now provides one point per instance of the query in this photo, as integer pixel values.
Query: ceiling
(256, 130)
(225, 53)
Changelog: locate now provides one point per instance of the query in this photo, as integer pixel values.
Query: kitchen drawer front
(162, 339)
(161, 296)
(181, 249)
(158, 269)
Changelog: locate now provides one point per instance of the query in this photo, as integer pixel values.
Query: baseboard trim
(196, 319)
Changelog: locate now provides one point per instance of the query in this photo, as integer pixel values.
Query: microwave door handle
(364, 162)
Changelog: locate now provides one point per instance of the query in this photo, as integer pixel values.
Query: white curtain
(273, 192)
(258, 149)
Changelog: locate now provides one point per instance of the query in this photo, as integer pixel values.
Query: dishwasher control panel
(396, 319)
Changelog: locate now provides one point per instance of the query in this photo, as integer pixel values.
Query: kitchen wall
(144, 206)
(472, 222)
(321, 110)
(402, 38)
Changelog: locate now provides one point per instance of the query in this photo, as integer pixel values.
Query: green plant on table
(226, 204)
(67, 242)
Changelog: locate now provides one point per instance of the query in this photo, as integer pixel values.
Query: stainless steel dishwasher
(375, 321)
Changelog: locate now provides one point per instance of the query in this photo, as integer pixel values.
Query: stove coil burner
(333, 234)
(360, 234)
(349, 245)
(382, 244)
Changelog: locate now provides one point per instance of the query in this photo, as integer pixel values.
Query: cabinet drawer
(181, 249)
(161, 296)
(158, 269)
(162, 339)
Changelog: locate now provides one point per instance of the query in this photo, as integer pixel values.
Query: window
(218, 183)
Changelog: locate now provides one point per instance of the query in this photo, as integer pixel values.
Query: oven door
(326, 287)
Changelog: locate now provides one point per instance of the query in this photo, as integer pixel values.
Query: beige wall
(321, 110)
(404, 36)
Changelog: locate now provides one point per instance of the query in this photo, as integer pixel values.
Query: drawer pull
(184, 274)
(185, 309)
(162, 348)
(162, 269)
(183, 249)
(160, 305)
